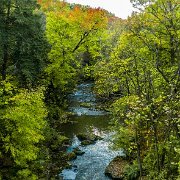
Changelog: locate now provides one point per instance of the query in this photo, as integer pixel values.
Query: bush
(132, 171)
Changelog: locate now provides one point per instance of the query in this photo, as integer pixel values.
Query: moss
(71, 156)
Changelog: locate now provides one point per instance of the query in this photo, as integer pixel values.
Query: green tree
(72, 31)
(22, 122)
(144, 68)
(22, 42)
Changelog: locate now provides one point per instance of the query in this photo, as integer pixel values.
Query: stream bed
(88, 119)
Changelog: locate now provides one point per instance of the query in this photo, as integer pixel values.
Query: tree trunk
(156, 146)
(138, 153)
(5, 60)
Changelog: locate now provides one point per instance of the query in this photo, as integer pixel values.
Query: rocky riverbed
(90, 151)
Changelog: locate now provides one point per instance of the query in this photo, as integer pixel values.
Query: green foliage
(23, 48)
(144, 71)
(135, 62)
(25, 174)
(88, 72)
(22, 121)
(72, 33)
(132, 171)
(62, 68)
(27, 114)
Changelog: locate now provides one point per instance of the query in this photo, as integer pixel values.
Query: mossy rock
(116, 168)
(71, 156)
(90, 137)
(98, 138)
(59, 143)
(87, 142)
(83, 137)
(78, 152)
(68, 165)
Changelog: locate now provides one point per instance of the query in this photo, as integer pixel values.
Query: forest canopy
(48, 46)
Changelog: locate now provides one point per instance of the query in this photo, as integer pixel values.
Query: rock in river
(78, 152)
(87, 139)
(116, 168)
(71, 156)
(90, 137)
(87, 142)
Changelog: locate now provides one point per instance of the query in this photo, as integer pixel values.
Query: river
(88, 119)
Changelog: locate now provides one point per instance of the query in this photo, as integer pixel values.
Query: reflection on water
(91, 165)
(84, 124)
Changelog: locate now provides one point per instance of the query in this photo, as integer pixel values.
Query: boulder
(87, 142)
(87, 139)
(71, 156)
(90, 137)
(68, 165)
(98, 138)
(83, 137)
(78, 152)
(116, 168)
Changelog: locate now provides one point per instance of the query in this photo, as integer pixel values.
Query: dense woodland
(48, 46)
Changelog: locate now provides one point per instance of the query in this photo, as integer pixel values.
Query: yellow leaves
(159, 99)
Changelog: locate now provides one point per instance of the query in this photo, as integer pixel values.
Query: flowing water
(88, 119)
